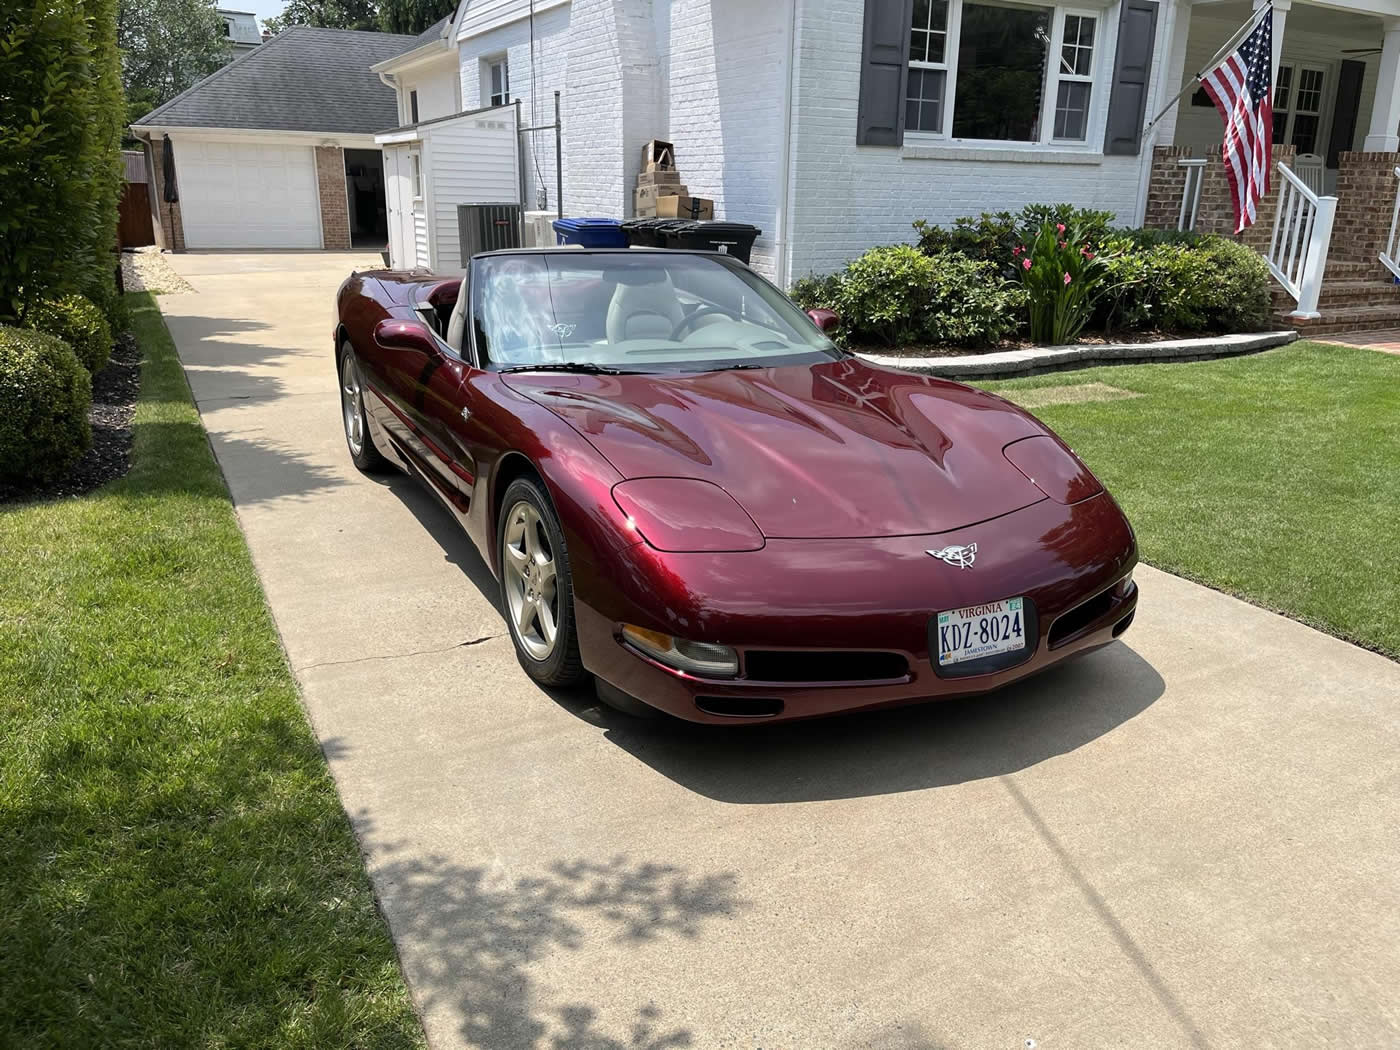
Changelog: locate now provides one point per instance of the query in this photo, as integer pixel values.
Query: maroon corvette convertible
(688, 492)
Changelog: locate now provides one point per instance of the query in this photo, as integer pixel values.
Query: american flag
(1241, 87)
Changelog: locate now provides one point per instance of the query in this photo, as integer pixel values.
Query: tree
(167, 45)
(413, 16)
(328, 14)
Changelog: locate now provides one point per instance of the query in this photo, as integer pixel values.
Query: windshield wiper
(583, 367)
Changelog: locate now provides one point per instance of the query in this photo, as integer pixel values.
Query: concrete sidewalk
(1186, 840)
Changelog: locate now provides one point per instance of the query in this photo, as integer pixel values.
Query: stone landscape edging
(1005, 364)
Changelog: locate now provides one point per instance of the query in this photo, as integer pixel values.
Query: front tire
(363, 454)
(537, 591)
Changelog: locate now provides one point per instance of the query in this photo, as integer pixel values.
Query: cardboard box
(647, 196)
(658, 156)
(658, 178)
(675, 206)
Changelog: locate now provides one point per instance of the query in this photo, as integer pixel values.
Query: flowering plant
(1063, 277)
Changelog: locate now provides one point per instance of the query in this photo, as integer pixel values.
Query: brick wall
(1366, 187)
(335, 206)
(1216, 213)
(172, 230)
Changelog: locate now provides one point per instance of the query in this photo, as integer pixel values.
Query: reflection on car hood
(838, 449)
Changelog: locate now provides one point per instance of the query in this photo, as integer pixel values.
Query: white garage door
(247, 195)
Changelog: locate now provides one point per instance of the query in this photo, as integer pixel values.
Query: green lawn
(1275, 477)
(175, 867)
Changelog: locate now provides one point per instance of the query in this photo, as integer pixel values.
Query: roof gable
(303, 79)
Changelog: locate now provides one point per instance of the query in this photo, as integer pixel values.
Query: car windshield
(634, 312)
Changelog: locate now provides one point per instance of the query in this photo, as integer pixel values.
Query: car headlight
(686, 515)
(1051, 468)
(706, 659)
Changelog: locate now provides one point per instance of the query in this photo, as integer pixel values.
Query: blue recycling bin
(590, 233)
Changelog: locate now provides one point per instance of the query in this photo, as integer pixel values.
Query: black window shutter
(1127, 100)
(884, 72)
(1344, 115)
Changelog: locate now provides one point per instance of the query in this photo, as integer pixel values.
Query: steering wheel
(688, 321)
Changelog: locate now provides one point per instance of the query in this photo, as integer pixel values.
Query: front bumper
(810, 597)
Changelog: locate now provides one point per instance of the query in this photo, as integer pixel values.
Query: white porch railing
(1302, 234)
(1388, 256)
(1191, 192)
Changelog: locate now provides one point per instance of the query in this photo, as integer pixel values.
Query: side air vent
(1080, 617)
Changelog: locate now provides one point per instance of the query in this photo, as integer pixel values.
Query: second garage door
(247, 195)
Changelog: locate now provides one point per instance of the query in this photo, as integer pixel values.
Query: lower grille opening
(740, 706)
(1123, 624)
(783, 665)
(1080, 617)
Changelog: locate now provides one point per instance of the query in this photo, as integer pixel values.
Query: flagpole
(1230, 44)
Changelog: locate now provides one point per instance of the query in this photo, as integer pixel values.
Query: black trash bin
(647, 233)
(713, 235)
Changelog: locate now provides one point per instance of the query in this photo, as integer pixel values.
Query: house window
(498, 81)
(413, 107)
(417, 160)
(984, 70)
(228, 29)
(1297, 101)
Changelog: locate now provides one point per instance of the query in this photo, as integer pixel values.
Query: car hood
(839, 449)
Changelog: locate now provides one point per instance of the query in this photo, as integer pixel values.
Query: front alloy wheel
(536, 587)
(352, 412)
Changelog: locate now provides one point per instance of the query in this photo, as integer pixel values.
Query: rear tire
(363, 454)
(537, 592)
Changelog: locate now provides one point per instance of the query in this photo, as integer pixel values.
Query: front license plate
(981, 630)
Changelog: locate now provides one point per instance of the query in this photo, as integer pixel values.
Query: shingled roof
(303, 79)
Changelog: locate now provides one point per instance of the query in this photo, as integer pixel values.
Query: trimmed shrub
(45, 395)
(898, 296)
(80, 324)
(1213, 284)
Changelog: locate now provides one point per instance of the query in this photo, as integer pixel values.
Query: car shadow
(885, 752)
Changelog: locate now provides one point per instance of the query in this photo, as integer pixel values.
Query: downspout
(391, 82)
(1145, 156)
(782, 269)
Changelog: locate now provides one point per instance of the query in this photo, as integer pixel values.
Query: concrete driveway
(1186, 840)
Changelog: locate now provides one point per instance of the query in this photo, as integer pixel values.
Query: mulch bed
(114, 391)
(1090, 339)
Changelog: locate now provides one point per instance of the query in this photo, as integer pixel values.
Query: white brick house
(833, 124)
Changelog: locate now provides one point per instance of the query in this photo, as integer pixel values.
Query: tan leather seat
(644, 311)
(457, 322)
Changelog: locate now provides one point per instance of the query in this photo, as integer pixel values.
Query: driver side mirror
(395, 334)
(827, 320)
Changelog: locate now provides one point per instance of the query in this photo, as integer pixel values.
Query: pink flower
(1063, 245)
(1059, 227)
(1026, 262)
(1017, 250)
(1086, 253)
(1066, 278)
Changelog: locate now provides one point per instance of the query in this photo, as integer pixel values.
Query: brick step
(1346, 269)
(1348, 319)
(1340, 293)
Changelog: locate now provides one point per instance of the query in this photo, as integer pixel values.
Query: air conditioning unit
(539, 229)
(487, 228)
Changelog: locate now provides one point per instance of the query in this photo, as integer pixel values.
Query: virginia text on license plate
(981, 630)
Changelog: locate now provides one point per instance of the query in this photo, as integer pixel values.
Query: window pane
(1001, 68)
(1072, 111)
(1280, 126)
(1309, 91)
(923, 111)
(1305, 133)
(918, 46)
(1281, 88)
(1077, 52)
(929, 32)
(495, 78)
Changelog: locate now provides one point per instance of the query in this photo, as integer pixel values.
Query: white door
(399, 201)
(247, 195)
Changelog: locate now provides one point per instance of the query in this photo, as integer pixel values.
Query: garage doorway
(364, 192)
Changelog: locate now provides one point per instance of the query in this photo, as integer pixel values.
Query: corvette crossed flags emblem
(962, 557)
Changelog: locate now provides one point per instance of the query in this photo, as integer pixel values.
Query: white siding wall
(483, 15)
(472, 161)
(848, 198)
(551, 69)
(437, 90)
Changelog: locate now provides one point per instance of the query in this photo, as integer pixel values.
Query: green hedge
(896, 295)
(80, 324)
(61, 112)
(45, 395)
(1211, 284)
(994, 236)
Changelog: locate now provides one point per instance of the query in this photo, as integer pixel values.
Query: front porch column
(1385, 112)
(1281, 9)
